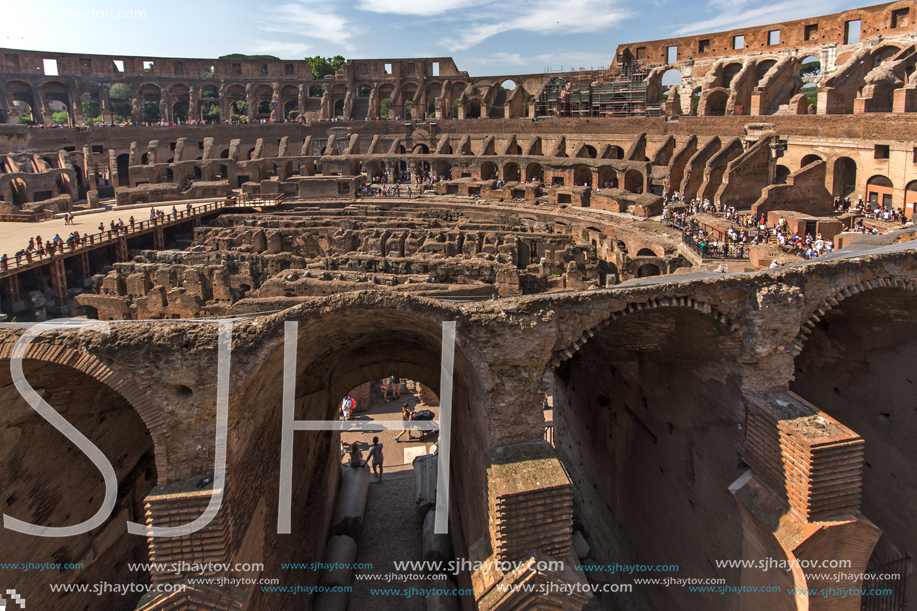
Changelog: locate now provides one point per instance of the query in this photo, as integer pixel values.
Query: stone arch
(582, 175)
(845, 176)
(810, 158)
(614, 152)
(511, 171)
(633, 180)
(831, 302)
(879, 190)
(614, 406)
(534, 171)
(857, 366)
(663, 302)
(133, 393)
(715, 102)
(781, 174)
(729, 73)
(488, 170)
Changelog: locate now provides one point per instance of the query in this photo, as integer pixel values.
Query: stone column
(105, 97)
(276, 109)
(193, 114)
(250, 102)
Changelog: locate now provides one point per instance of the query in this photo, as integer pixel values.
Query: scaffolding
(597, 93)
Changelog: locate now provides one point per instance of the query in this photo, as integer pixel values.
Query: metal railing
(28, 260)
(723, 251)
(895, 599)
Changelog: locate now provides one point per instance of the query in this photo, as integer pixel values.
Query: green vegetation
(810, 69)
(264, 107)
(120, 96)
(210, 91)
(243, 56)
(151, 112)
(180, 111)
(323, 66)
(210, 111)
(431, 108)
(92, 112)
(316, 91)
(61, 117)
(407, 109)
(383, 110)
(238, 110)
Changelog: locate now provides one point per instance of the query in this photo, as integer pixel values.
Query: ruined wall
(804, 192)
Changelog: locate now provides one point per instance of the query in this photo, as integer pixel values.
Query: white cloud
(284, 50)
(739, 13)
(414, 8)
(308, 18)
(543, 17)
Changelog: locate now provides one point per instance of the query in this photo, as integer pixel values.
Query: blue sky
(485, 37)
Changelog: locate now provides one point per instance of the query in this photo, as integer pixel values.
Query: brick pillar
(801, 499)
(530, 514)
(121, 249)
(159, 238)
(59, 281)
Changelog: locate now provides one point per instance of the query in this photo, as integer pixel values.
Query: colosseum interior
(685, 322)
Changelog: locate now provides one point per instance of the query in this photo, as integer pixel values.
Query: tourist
(406, 415)
(395, 384)
(385, 389)
(356, 456)
(347, 407)
(377, 459)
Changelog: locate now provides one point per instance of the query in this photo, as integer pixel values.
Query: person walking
(407, 415)
(347, 406)
(395, 383)
(375, 453)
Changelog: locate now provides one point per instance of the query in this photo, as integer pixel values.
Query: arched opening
(650, 442)
(716, 103)
(729, 72)
(858, 366)
(180, 111)
(810, 90)
(443, 170)
(781, 173)
(587, 152)
(210, 91)
(762, 68)
(845, 176)
(473, 109)
(123, 175)
(364, 91)
(582, 176)
(810, 67)
(151, 112)
(238, 111)
(264, 107)
(910, 199)
(809, 159)
(614, 152)
(695, 100)
(534, 171)
(646, 252)
(316, 91)
(431, 108)
(511, 172)
(46, 480)
(671, 77)
(347, 349)
(508, 85)
(633, 181)
(290, 110)
(421, 149)
(608, 178)
(648, 269)
(488, 170)
(339, 109)
(210, 111)
(879, 190)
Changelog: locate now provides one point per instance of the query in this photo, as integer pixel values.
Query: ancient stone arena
(659, 339)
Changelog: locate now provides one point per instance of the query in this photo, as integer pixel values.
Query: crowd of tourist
(749, 229)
